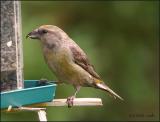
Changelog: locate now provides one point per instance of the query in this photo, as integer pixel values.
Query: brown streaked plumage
(82, 60)
(67, 60)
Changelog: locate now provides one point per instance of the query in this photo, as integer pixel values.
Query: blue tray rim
(25, 89)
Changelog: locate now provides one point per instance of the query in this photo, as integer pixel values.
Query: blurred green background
(121, 40)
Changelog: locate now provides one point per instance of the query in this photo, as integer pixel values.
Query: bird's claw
(42, 82)
(70, 101)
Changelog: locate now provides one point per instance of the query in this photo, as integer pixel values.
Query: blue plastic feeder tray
(33, 92)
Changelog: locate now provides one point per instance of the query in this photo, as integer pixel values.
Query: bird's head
(48, 34)
(47, 31)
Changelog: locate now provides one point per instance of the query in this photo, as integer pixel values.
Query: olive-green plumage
(67, 60)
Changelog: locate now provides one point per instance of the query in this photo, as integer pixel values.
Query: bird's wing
(81, 59)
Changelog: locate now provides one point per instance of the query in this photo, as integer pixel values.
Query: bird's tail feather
(102, 86)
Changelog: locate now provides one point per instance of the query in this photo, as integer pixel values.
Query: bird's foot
(42, 82)
(70, 101)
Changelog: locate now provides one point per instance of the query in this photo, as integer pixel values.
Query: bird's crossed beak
(33, 35)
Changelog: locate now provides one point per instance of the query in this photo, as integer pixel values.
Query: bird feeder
(11, 46)
(15, 91)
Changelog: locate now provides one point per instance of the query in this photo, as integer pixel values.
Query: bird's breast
(60, 63)
(65, 69)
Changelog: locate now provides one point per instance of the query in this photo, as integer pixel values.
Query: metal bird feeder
(15, 91)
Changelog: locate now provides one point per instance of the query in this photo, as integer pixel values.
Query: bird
(68, 61)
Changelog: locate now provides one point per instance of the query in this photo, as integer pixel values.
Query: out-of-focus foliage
(121, 40)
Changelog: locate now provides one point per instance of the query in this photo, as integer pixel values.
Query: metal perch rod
(76, 102)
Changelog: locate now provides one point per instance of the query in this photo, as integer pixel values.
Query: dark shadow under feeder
(33, 92)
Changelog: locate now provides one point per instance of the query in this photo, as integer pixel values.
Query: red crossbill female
(67, 60)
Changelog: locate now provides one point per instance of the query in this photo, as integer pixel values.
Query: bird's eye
(42, 31)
